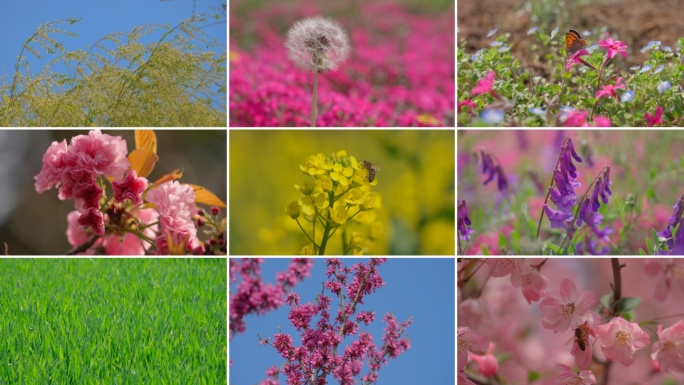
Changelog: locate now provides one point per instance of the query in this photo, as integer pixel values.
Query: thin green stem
(328, 227)
(305, 233)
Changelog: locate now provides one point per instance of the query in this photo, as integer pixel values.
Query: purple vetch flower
(676, 218)
(589, 247)
(464, 223)
(558, 218)
(493, 169)
(588, 212)
(563, 194)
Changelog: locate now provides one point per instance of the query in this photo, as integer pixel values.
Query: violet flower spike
(464, 222)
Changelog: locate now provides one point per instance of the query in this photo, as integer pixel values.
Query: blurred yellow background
(416, 183)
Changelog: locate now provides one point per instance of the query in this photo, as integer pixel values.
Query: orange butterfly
(574, 41)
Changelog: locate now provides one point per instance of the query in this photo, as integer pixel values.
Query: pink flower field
(399, 72)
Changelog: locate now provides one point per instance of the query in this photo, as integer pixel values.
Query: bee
(372, 168)
(580, 337)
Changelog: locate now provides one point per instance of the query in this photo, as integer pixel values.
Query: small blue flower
(647, 67)
(554, 32)
(663, 86)
(537, 111)
(492, 116)
(531, 31)
(495, 44)
(666, 48)
(504, 49)
(658, 69)
(651, 44)
(634, 68)
(477, 56)
(627, 96)
(492, 32)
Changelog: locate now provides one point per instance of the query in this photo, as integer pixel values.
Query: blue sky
(99, 18)
(419, 287)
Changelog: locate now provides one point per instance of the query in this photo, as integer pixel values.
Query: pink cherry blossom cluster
(400, 73)
(253, 296)
(122, 224)
(562, 310)
(75, 169)
(317, 357)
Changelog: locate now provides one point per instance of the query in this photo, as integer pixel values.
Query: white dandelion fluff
(317, 44)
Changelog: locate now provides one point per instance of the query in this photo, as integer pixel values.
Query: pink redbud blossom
(620, 339)
(130, 187)
(470, 341)
(565, 307)
(668, 272)
(668, 351)
(566, 376)
(486, 363)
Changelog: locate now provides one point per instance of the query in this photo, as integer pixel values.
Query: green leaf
(606, 299)
(626, 304)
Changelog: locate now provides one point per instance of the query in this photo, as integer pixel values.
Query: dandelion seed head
(317, 44)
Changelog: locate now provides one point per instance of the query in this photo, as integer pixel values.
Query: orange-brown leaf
(146, 139)
(173, 175)
(204, 196)
(143, 161)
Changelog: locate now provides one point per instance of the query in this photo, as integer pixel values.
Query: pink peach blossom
(565, 307)
(620, 339)
(566, 376)
(469, 341)
(668, 351)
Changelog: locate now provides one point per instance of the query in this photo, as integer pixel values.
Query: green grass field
(113, 321)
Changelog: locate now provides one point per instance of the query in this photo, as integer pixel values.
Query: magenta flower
(576, 59)
(130, 187)
(565, 307)
(567, 376)
(652, 120)
(668, 272)
(484, 85)
(468, 103)
(601, 121)
(609, 89)
(576, 118)
(620, 339)
(470, 341)
(613, 47)
(668, 351)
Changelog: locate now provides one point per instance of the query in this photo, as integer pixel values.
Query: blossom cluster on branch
(140, 217)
